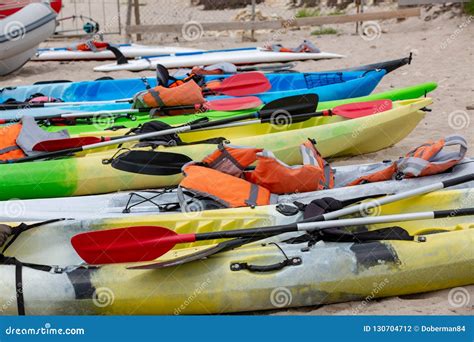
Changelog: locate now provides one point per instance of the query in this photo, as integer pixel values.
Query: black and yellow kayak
(271, 274)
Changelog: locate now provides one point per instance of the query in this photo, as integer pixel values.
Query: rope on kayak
(173, 206)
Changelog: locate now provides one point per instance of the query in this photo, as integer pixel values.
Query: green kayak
(108, 124)
(89, 173)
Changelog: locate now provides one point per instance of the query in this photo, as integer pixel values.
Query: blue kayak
(111, 89)
(328, 86)
(102, 90)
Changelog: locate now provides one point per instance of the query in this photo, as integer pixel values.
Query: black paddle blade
(150, 162)
(289, 106)
(162, 75)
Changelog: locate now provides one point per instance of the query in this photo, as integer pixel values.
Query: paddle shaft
(310, 223)
(296, 105)
(145, 243)
(31, 105)
(295, 118)
(72, 115)
(314, 226)
(177, 130)
(227, 88)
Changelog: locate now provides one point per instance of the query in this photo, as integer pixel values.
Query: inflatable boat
(8, 8)
(22, 32)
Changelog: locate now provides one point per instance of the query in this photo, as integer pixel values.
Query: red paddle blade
(244, 84)
(64, 144)
(238, 103)
(131, 244)
(361, 109)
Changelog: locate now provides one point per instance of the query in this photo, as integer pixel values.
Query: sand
(443, 52)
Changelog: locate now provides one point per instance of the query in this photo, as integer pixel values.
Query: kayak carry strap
(294, 261)
(5, 260)
(20, 300)
(24, 227)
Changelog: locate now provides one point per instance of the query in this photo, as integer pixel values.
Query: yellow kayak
(440, 256)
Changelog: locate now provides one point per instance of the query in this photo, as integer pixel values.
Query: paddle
(241, 84)
(223, 105)
(295, 105)
(237, 85)
(146, 243)
(280, 116)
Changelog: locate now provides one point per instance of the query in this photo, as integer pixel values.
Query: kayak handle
(239, 266)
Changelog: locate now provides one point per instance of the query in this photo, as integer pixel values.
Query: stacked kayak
(139, 207)
(252, 277)
(119, 125)
(112, 89)
(237, 56)
(128, 50)
(89, 174)
(328, 86)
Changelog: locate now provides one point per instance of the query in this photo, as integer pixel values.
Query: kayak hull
(328, 86)
(87, 174)
(138, 205)
(325, 272)
(109, 126)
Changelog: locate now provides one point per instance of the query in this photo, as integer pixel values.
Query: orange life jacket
(8, 147)
(212, 85)
(432, 158)
(279, 178)
(177, 82)
(427, 159)
(223, 179)
(225, 189)
(188, 93)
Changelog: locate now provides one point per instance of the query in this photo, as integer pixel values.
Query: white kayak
(123, 204)
(128, 50)
(237, 56)
(22, 32)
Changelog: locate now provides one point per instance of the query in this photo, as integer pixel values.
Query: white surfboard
(236, 56)
(128, 50)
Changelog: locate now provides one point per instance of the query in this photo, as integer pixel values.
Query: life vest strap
(9, 149)
(156, 95)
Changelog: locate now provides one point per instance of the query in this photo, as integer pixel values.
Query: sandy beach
(443, 52)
